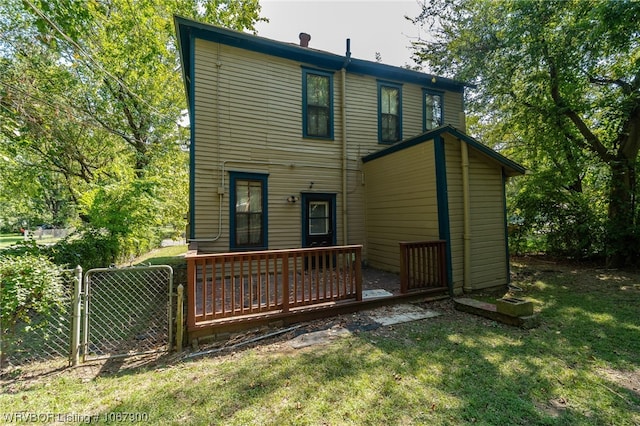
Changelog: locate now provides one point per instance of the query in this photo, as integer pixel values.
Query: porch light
(292, 199)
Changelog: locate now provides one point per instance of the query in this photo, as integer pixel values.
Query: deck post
(285, 282)
(404, 265)
(191, 292)
(358, 268)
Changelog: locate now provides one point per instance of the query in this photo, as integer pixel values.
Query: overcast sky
(372, 25)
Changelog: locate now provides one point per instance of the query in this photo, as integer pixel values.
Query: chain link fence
(127, 311)
(45, 337)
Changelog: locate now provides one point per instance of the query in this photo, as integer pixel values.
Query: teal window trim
(234, 177)
(382, 85)
(425, 93)
(305, 107)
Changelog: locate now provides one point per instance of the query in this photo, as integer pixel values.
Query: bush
(31, 287)
(90, 248)
(555, 221)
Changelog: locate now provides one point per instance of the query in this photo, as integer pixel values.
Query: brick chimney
(304, 39)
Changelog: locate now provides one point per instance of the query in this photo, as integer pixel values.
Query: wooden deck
(232, 291)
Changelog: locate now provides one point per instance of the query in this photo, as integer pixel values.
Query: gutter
(466, 218)
(343, 112)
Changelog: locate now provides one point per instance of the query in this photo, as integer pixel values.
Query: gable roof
(187, 30)
(511, 167)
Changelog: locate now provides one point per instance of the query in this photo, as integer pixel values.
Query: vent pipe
(304, 39)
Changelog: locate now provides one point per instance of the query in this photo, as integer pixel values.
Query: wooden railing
(422, 266)
(234, 284)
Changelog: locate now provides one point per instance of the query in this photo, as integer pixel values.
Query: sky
(372, 25)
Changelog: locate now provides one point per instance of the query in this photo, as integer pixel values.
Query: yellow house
(296, 147)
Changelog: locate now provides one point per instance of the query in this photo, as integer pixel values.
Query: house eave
(187, 29)
(510, 167)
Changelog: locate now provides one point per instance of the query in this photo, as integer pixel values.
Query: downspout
(218, 144)
(343, 112)
(466, 204)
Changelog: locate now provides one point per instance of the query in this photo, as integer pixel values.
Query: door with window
(318, 225)
(318, 220)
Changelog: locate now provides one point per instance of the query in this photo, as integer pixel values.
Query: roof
(187, 30)
(511, 167)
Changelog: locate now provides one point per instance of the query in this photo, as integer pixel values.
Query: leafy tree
(558, 87)
(90, 101)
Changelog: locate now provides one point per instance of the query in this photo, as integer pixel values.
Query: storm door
(318, 225)
(318, 220)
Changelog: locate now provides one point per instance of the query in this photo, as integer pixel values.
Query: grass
(7, 240)
(581, 366)
(170, 255)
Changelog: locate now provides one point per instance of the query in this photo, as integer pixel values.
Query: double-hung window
(317, 104)
(248, 199)
(432, 107)
(389, 112)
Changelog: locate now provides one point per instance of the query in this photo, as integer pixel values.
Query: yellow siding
(488, 255)
(401, 203)
(488, 261)
(257, 105)
(362, 113)
(248, 117)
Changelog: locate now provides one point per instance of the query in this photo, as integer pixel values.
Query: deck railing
(422, 266)
(233, 284)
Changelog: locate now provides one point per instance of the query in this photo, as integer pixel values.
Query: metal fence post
(179, 318)
(75, 325)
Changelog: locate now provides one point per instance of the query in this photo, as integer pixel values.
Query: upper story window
(317, 104)
(432, 107)
(248, 202)
(389, 112)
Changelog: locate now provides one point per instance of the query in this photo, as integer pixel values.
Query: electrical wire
(55, 27)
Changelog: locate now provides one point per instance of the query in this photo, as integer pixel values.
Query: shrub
(31, 287)
(90, 248)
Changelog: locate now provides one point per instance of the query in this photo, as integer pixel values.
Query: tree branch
(593, 143)
(627, 89)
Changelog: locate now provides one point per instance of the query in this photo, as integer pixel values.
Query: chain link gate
(127, 311)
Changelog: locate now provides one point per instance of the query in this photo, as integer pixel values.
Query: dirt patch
(629, 380)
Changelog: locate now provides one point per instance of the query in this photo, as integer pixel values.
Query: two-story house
(296, 147)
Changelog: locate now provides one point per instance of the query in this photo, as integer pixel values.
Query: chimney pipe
(304, 39)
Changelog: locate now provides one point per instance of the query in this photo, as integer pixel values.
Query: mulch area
(373, 279)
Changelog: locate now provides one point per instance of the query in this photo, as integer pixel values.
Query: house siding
(248, 116)
(401, 203)
(488, 245)
(488, 265)
(257, 127)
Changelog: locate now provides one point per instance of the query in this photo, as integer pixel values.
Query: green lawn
(7, 240)
(581, 366)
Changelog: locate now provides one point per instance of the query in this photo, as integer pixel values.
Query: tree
(558, 86)
(91, 96)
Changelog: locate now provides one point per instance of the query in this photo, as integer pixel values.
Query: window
(319, 217)
(317, 100)
(432, 108)
(248, 200)
(389, 112)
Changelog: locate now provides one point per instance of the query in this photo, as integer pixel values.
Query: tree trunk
(622, 238)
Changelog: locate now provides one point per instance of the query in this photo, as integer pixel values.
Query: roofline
(187, 28)
(512, 166)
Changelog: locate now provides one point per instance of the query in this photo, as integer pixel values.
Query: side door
(318, 219)
(318, 226)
